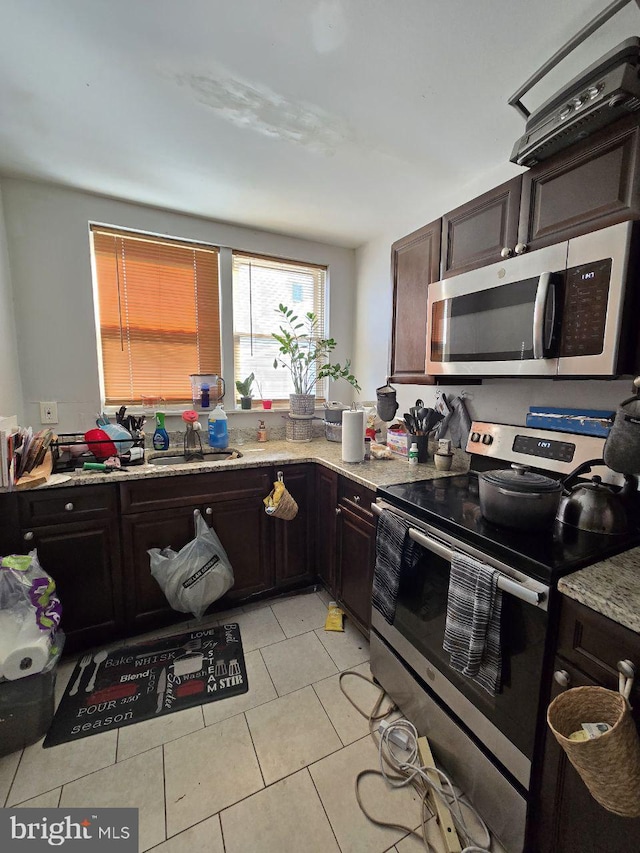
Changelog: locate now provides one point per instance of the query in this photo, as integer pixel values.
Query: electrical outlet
(48, 413)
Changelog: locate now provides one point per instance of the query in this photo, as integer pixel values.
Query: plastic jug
(218, 430)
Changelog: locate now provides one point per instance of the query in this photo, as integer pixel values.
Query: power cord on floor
(402, 770)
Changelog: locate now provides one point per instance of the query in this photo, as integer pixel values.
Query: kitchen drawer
(55, 506)
(357, 497)
(167, 492)
(595, 644)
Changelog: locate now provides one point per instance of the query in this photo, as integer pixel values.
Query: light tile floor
(271, 770)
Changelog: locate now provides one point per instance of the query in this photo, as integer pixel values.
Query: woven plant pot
(302, 405)
(610, 764)
(298, 429)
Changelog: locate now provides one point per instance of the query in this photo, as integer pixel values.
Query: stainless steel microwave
(562, 311)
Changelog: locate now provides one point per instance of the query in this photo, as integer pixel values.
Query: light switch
(48, 413)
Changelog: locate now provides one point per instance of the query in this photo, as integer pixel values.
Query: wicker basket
(287, 508)
(302, 405)
(610, 764)
(298, 429)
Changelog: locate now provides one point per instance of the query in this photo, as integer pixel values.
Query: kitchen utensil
(161, 689)
(415, 409)
(189, 646)
(591, 506)
(410, 423)
(97, 659)
(518, 497)
(84, 663)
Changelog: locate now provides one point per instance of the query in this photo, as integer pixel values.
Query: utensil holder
(423, 446)
(609, 765)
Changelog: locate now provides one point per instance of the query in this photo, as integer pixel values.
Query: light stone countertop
(611, 587)
(377, 472)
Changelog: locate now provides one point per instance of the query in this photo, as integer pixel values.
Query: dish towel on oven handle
(394, 549)
(472, 631)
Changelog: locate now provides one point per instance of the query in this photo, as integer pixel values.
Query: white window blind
(260, 284)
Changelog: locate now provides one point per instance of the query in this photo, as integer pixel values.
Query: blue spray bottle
(160, 436)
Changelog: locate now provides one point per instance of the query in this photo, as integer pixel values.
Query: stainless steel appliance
(486, 742)
(562, 311)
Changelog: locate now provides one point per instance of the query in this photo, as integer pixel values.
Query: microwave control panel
(585, 308)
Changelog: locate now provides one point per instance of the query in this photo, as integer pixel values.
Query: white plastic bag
(197, 575)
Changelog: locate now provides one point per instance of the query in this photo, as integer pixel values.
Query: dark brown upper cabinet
(415, 263)
(589, 186)
(483, 230)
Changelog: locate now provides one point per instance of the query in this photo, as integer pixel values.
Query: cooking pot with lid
(591, 506)
(519, 498)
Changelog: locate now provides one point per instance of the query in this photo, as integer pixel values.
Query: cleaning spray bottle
(218, 430)
(160, 436)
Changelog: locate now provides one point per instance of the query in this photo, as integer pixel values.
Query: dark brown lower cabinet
(567, 818)
(76, 534)
(356, 537)
(294, 539)
(325, 545)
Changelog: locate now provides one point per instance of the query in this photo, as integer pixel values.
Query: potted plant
(306, 358)
(244, 389)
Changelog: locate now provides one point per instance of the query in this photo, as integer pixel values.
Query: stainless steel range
(486, 742)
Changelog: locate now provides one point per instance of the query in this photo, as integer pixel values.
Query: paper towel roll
(353, 436)
(26, 653)
(9, 628)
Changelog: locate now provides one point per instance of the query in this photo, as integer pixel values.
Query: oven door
(500, 320)
(505, 723)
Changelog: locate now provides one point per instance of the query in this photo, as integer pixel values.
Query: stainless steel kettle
(592, 506)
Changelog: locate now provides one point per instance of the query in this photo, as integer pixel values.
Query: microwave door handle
(539, 312)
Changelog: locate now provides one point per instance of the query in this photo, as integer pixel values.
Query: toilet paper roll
(353, 436)
(27, 653)
(9, 629)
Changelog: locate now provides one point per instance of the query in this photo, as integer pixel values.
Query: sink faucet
(192, 441)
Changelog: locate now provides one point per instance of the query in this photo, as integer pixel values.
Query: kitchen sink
(209, 456)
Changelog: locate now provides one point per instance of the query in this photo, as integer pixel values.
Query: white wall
(499, 400)
(10, 390)
(47, 233)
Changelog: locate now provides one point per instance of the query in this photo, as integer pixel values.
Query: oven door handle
(507, 585)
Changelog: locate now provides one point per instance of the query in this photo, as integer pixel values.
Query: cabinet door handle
(521, 248)
(562, 677)
(28, 536)
(208, 511)
(356, 499)
(338, 510)
(69, 507)
(506, 252)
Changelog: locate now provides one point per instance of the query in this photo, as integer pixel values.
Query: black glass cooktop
(452, 504)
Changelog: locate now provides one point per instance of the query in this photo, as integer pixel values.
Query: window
(159, 314)
(259, 285)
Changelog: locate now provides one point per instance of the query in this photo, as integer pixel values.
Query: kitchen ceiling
(318, 118)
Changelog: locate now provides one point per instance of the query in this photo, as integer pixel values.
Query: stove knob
(594, 91)
(579, 101)
(565, 112)
(487, 439)
(475, 436)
